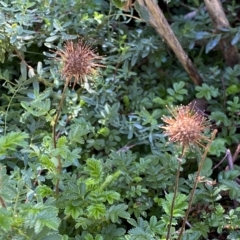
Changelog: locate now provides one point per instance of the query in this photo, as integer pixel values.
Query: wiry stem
(59, 166)
(175, 192)
(2, 203)
(196, 182)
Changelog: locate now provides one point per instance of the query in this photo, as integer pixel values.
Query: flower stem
(175, 192)
(59, 165)
(196, 182)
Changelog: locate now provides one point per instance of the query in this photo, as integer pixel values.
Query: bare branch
(219, 19)
(159, 22)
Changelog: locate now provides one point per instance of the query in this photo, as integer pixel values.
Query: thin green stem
(59, 166)
(9, 104)
(196, 182)
(175, 192)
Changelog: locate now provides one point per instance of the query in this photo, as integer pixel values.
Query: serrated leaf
(118, 211)
(233, 89)
(52, 223)
(76, 132)
(153, 220)
(47, 162)
(233, 188)
(5, 220)
(96, 211)
(61, 142)
(112, 231)
(220, 117)
(11, 141)
(218, 147)
(111, 196)
(94, 168)
(88, 236)
(83, 222)
(74, 211)
(132, 222)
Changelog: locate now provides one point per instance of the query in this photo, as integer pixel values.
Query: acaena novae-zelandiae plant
(186, 128)
(80, 63)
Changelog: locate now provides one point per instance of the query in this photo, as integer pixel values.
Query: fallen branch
(219, 19)
(159, 22)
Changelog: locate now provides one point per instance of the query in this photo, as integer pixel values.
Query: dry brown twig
(159, 22)
(219, 19)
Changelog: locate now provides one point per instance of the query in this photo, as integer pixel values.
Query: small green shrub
(117, 173)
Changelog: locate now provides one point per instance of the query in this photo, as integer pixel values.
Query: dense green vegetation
(105, 169)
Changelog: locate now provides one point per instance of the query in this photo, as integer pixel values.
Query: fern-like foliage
(91, 199)
(11, 141)
(145, 230)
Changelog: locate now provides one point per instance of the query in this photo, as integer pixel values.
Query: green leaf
(94, 168)
(119, 3)
(61, 142)
(96, 211)
(179, 206)
(199, 229)
(177, 91)
(110, 178)
(230, 174)
(207, 167)
(52, 38)
(218, 147)
(73, 211)
(38, 107)
(111, 232)
(236, 38)
(201, 35)
(76, 132)
(5, 219)
(233, 89)
(53, 236)
(23, 68)
(111, 196)
(220, 118)
(42, 215)
(206, 91)
(48, 163)
(142, 11)
(44, 191)
(117, 211)
(89, 236)
(11, 141)
(212, 43)
(233, 188)
(83, 222)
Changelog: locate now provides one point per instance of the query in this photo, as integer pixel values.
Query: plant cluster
(84, 149)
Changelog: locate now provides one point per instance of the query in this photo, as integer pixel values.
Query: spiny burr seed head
(79, 61)
(186, 126)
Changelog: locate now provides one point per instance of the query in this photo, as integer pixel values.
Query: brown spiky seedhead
(186, 126)
(79, 60)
